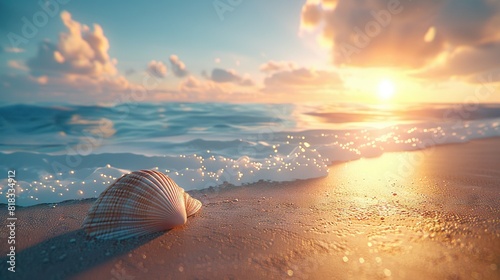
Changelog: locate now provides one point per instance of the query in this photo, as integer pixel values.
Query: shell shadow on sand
(67, 255)
(131, 212)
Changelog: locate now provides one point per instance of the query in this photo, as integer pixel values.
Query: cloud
(75, 69)
(190, 83)
(273, 66)
(465, 22)
(302, 80)
(466, 62)
(219, 75)
(193, 85)
(80, 51)
(12, 50)
(207, 90)
(130, 71)
(404, 34)
(311, 15)
(157, 69)
(224, 76)
(16, 64)
(178, 67)
(73, 89)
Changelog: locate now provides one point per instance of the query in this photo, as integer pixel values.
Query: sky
(283, 51)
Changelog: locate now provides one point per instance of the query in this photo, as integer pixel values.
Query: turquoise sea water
(71, 152)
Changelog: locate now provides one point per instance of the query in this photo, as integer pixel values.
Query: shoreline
(356, 223)
(229, 185)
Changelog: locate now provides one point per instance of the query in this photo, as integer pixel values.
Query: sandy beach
(324, 139)
(431, 214)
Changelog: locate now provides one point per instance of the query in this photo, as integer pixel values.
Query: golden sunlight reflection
(384, 181)
(386, 89)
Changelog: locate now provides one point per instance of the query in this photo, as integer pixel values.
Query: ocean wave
(74, 152)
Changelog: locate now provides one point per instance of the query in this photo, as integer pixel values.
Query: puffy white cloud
(157, 69)
(178, 67)
(407, 34)
(76, 68)
(79, 51)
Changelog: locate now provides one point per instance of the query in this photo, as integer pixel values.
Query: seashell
(139, 203)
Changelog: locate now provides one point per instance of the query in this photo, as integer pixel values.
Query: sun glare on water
(385, 89)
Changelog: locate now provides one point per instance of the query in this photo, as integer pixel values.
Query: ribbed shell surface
(192, 205)
(139, 203)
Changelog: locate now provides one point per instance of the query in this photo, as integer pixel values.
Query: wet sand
(431, 214)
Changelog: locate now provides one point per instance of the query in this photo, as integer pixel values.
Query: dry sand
(432, 214)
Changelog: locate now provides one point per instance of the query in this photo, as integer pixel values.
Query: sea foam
(72, 152)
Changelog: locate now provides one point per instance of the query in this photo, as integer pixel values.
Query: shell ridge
(166, 190)
(116, 198)
(193, 205)
(139, 203)
(149, 187)
(173, 192)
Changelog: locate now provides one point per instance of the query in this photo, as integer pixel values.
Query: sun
(385, 89)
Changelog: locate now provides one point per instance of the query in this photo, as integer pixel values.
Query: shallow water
(71, 152)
